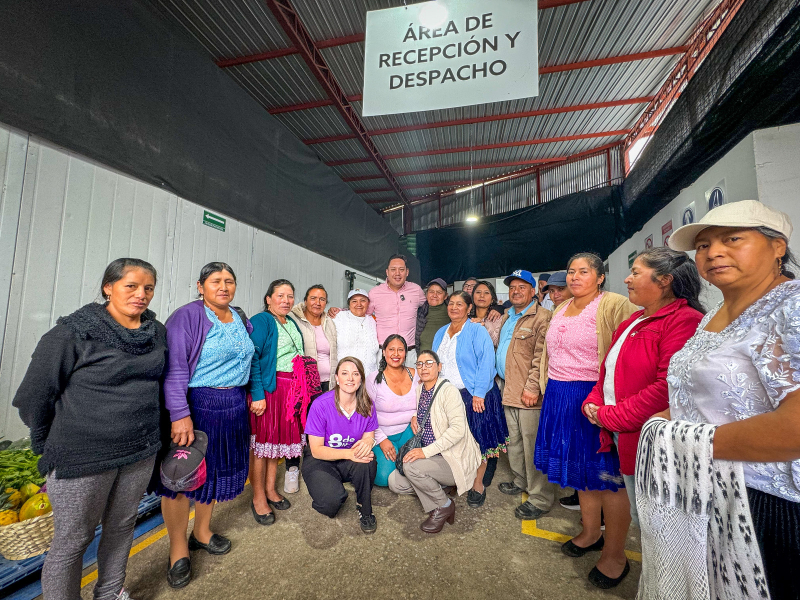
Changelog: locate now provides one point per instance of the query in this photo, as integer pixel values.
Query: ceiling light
(433, 15)
(467, 188)
(472, 219)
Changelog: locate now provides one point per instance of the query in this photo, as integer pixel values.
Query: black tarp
(118, 82)
(750, 80)
(538, 238)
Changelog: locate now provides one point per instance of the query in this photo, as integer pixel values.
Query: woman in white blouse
(355, 331)
(741, 371)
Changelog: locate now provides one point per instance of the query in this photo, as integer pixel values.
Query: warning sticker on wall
(666, 231)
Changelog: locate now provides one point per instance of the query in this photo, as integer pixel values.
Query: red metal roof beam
(290, 21)
(550, 140)
(497, 165)
(487, 119)
(701, 42)
(514, 175)
(340, 41)
(309, 105)
(613, 60)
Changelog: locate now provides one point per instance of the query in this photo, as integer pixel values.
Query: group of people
(421, 391)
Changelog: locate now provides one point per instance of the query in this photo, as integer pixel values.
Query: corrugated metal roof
(588, 30)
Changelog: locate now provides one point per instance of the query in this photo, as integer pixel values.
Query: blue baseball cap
(525, 276)
(558, 279)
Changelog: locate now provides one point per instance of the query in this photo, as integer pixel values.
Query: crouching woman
(341, 428)
(449, 455)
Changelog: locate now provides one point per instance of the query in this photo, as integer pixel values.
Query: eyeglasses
(427, 364)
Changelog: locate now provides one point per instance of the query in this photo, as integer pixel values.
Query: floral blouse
(743, 371)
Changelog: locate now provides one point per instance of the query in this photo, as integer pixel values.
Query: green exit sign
(213, 220)
(632, 257)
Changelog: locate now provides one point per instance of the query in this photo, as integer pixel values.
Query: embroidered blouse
(743, 371)
(290, 344)
(357, 336)
(572, 345)
(225, 358)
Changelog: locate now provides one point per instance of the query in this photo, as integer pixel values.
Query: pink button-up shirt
(396, 312)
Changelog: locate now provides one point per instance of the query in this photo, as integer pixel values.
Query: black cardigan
(91, 395)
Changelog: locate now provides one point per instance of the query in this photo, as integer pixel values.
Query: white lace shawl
(697, 532)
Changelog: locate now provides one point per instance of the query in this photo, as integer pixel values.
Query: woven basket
(27, 539)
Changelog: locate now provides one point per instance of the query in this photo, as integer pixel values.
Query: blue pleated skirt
(489, 427)
(567, 443)
(223, 415)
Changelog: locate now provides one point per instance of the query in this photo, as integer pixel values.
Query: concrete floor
(307, 555)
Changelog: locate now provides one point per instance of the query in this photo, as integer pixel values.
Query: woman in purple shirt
(341, 434)
(208, 366)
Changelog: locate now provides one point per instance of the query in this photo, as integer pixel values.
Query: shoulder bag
(416, 441)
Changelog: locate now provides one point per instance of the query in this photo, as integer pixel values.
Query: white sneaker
(291, 482)
(124, 595)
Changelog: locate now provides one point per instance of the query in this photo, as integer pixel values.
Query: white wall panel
(13, 152)
(63, 218)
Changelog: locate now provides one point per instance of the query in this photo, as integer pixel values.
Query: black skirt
(777, 527)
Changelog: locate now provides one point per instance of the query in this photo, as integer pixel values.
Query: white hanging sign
(448, 53)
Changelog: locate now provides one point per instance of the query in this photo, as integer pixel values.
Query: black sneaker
(528, 512)
(510, 488)
(369, 524)
(570, 502)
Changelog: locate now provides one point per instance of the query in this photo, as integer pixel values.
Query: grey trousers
(411, 359)
(424, 477)
(523, 425)
(79, 505)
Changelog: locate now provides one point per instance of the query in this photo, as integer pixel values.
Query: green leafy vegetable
(18, 467)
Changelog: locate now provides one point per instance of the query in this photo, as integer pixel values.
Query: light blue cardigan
(474, 357)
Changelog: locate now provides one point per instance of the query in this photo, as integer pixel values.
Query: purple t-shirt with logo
(336, 430)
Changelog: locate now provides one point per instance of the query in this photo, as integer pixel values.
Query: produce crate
(12, 571)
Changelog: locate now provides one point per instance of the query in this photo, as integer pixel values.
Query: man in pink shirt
(394, 305)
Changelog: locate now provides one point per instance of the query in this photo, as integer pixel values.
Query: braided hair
(383, 364)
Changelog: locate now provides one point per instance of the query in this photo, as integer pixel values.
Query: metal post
(483, 198)
(439, 220)
(408, 219)
(538, 187)
(608, 165)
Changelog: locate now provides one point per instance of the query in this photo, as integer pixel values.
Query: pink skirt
(272, 435)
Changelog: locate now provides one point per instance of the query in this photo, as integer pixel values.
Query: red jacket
(640, 377)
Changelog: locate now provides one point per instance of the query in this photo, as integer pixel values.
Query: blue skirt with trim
(567, 443)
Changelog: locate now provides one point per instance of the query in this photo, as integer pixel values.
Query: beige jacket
(309, 339)
(611, 312)
(524, 357)
(454, 440)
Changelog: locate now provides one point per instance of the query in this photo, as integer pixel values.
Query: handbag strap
(291, 339)
(427, 414)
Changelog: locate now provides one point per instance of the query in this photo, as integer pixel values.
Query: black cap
(184, 468)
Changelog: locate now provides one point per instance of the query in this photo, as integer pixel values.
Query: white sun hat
(746, 213)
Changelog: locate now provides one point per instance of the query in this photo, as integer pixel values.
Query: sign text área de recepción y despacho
(450, 53)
